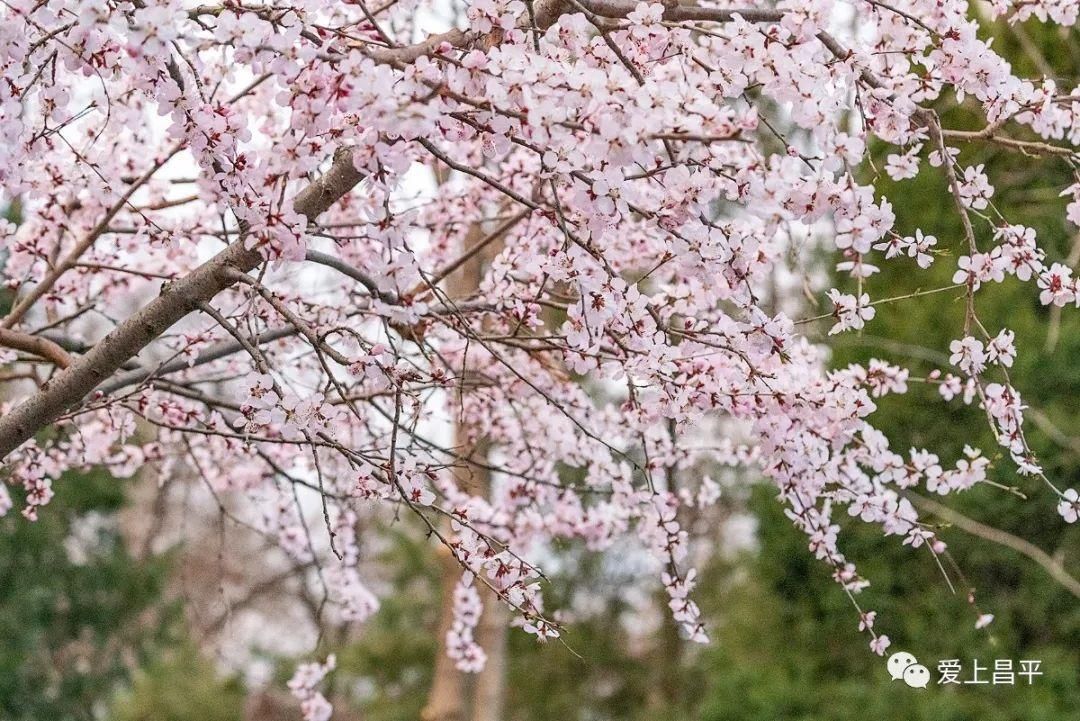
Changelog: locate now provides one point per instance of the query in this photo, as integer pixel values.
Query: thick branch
(176, 300)
(677, 12)
(35, 345)
(352, 272)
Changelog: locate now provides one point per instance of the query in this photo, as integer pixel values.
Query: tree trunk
(446, 698)
(490, 690)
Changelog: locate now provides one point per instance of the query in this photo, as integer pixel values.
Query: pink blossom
(288, 304)
(879, 644)
(313, 705)
(1069, 506)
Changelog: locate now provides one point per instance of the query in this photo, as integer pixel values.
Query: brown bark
(489, 698)
(446, 698)
(35, 345)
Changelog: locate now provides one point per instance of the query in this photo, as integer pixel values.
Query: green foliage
(387, 672)
(75, 616)
(787, 645)
(180, 686)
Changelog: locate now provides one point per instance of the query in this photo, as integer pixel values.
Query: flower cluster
(505, 281)
(304, 686)
(460, 644)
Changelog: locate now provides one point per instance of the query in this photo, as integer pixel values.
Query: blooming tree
(222, 261)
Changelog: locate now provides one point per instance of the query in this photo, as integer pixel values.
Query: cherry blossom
(880, 644)
(460, 644)
(303, 685)
(851, 313)
(346, 271)
(903, 166)
(1069, 507)
(980, 268)
(1057, 285)
(1002, 348)
(975, 188)
(969, 355)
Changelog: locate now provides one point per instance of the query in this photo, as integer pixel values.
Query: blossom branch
(176, 300)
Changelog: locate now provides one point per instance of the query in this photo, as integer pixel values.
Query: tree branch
(211, 354)
(36, 345)
(356, 274)
(996, 535)
(676, 12)
(176, 300)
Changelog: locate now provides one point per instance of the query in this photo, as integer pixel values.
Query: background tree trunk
(489, 700)
(448, 699)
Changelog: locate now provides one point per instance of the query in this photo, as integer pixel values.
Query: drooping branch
(176, 300)
(996, 535)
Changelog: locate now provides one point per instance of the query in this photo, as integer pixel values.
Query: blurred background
(138, 600)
